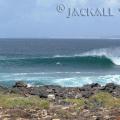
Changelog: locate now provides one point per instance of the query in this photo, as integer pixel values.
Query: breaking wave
(98, 57)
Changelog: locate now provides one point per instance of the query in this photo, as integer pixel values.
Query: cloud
(78, 2)
(91, 3)
(45, 3)
(74, 3)
(112, 3)
(40, 18)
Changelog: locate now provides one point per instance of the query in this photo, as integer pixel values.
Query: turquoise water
(59, 62)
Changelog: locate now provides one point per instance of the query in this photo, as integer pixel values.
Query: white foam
(58, 63)
(67, 79)
(83, 80)
(111, 53)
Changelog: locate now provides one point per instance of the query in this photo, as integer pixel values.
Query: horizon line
(84, 38)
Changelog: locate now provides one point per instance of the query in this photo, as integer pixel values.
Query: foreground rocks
(59, 113)
(80, 103)
(58, 92)
(112, 88)
(20, 84)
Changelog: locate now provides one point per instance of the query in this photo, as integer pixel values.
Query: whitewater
(67, 63)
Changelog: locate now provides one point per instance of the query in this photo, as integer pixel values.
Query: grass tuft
(17, 101)
(101, 99)
(105, 99)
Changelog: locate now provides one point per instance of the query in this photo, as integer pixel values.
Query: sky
(40, 19)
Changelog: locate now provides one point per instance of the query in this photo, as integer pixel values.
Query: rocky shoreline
(64, 92)
(67, 103)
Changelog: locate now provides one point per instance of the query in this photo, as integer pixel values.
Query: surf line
(77, 12)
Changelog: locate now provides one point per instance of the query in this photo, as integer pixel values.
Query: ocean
(64, 62)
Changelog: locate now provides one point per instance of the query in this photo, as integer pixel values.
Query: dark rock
(89, 90)
(85, 107)
(20, 84)
(98, 118)
(34, 91)
(15, 91)
(95, 85)
(85, 88)
(90, 87)
(110, 87)
(86, 94)
(43, 95)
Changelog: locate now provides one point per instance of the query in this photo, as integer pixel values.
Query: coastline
(90, 102)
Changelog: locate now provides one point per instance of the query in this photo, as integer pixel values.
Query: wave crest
(96, 57)
(111, 53)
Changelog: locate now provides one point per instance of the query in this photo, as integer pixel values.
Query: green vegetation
(105, 100)
(78, 102)
(101, 99)
(17, 101)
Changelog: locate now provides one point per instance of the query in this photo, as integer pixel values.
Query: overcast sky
(40, 19)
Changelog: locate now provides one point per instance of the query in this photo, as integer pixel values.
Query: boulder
(86, 94)
(88, 87)
(78, 96)
(95, 85)
(20, 84)
(51, 97)
(110, 87)
(43, 95)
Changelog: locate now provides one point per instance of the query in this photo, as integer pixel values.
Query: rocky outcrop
(66, 92)
(20, 84)
(60, 108)
(112, 88)
(88, 90)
